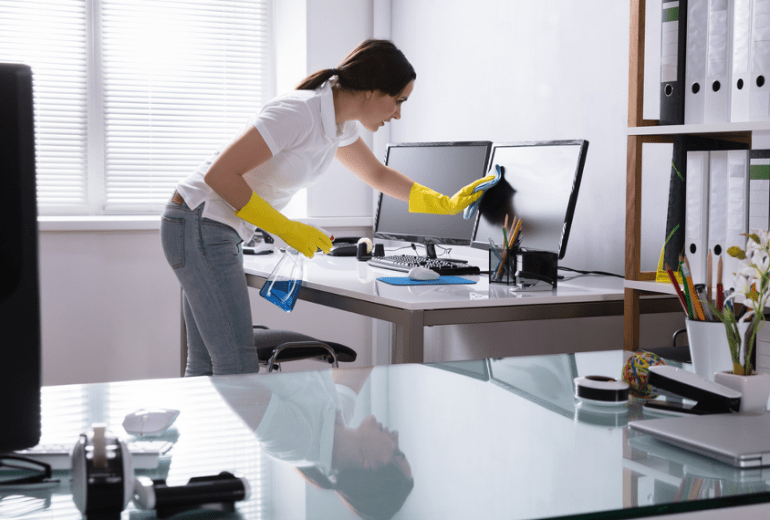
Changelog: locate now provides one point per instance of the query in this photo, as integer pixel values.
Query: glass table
(495, 438)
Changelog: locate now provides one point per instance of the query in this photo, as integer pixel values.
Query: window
(131, 95)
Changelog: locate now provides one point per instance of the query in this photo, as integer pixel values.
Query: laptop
(740, 440)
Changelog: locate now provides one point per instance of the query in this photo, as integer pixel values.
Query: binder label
(669, 41)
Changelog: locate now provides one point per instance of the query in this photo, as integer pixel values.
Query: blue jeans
(207, 258)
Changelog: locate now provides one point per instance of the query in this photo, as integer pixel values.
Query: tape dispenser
(102, 474)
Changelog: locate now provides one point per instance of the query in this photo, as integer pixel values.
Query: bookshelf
(642, 131)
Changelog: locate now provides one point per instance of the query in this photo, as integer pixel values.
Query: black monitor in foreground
(540, 185)
(19, 292)
(445, 167)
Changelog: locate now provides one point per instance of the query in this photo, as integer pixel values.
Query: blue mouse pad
(405, 280)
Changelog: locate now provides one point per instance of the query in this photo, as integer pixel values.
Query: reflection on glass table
(494, 438)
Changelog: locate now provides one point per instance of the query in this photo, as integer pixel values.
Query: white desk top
(348, 277)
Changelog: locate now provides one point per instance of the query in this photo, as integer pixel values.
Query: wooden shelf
(714, 128)
(654, 287)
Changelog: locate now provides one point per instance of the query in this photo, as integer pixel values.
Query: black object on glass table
(15, 471)
(212, 493)
(405, 263)
(102, 474)
(709, 397)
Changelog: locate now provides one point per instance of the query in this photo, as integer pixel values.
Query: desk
(347, 284)
(487, 439)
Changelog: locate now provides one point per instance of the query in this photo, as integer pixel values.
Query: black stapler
(709, 397)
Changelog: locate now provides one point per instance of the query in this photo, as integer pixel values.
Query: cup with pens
(502, 258)
(709, 351)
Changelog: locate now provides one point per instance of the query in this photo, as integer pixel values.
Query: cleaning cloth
(470, 210)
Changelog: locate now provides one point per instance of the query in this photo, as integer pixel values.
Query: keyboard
(405, 263)
(145, 454)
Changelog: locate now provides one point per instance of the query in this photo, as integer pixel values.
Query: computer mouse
(423, 273)
(149, 421)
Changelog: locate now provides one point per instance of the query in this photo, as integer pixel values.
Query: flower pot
(755, 389)
(709, 350)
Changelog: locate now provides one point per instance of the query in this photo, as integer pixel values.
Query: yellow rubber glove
(302, 237)
(425, 200)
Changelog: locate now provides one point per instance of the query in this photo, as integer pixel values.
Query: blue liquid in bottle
(282, 293)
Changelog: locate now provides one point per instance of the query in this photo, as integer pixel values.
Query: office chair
(674, 352)
(277, 346)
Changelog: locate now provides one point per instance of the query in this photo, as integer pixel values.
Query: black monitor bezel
(572, 203)
(420, 239)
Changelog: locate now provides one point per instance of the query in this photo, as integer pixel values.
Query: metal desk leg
(407, 342)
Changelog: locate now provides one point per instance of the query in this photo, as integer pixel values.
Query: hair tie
(335, 72)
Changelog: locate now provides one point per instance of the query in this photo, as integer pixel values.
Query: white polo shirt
(300, 130)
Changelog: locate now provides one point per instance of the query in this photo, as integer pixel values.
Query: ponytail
(372, 65)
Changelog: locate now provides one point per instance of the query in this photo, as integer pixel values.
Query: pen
(495, 249)
(701, 292)
(690, 313)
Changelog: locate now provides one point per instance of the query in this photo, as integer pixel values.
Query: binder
(676, 217)
(741, 62)
(717, 202)
(672, 61)
(737, 213)
(697, 213)
(718, 61)
(759, 89)
(695, 68)
(759, 190)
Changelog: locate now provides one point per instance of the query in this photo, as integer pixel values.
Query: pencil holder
(502, 266)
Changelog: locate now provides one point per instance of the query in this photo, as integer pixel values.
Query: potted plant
(752, 281)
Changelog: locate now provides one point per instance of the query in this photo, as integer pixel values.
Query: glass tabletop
(495, 438)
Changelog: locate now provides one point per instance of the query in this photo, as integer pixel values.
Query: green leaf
(737, 252)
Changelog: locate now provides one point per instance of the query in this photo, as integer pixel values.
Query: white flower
(761, 260)
(744, 279)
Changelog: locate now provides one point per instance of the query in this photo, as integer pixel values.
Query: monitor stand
(430, 252)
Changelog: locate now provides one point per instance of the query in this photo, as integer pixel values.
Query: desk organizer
(502, 265)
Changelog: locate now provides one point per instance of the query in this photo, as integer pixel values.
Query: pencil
(676, 286)
(678, 289)
(505, 231)
(697, 310)
(720, 287)
(516, 231)
(709, 263)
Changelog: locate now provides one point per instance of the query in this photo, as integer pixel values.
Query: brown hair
(372, 65)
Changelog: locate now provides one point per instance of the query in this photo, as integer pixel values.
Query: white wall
(521, 71)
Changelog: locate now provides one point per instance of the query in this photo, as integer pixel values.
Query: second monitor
(445, 167)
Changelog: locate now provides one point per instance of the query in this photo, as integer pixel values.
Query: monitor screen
(540, 186)
(445, 167)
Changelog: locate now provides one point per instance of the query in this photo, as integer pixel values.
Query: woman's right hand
(305, 238)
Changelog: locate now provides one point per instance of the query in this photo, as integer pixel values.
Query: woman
(283, 149)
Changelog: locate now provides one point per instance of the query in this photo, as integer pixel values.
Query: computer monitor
(445, 167)
(540, 185)
(19, 290)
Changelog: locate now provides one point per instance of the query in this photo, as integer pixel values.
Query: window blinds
(131, 95)
(50, 37)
